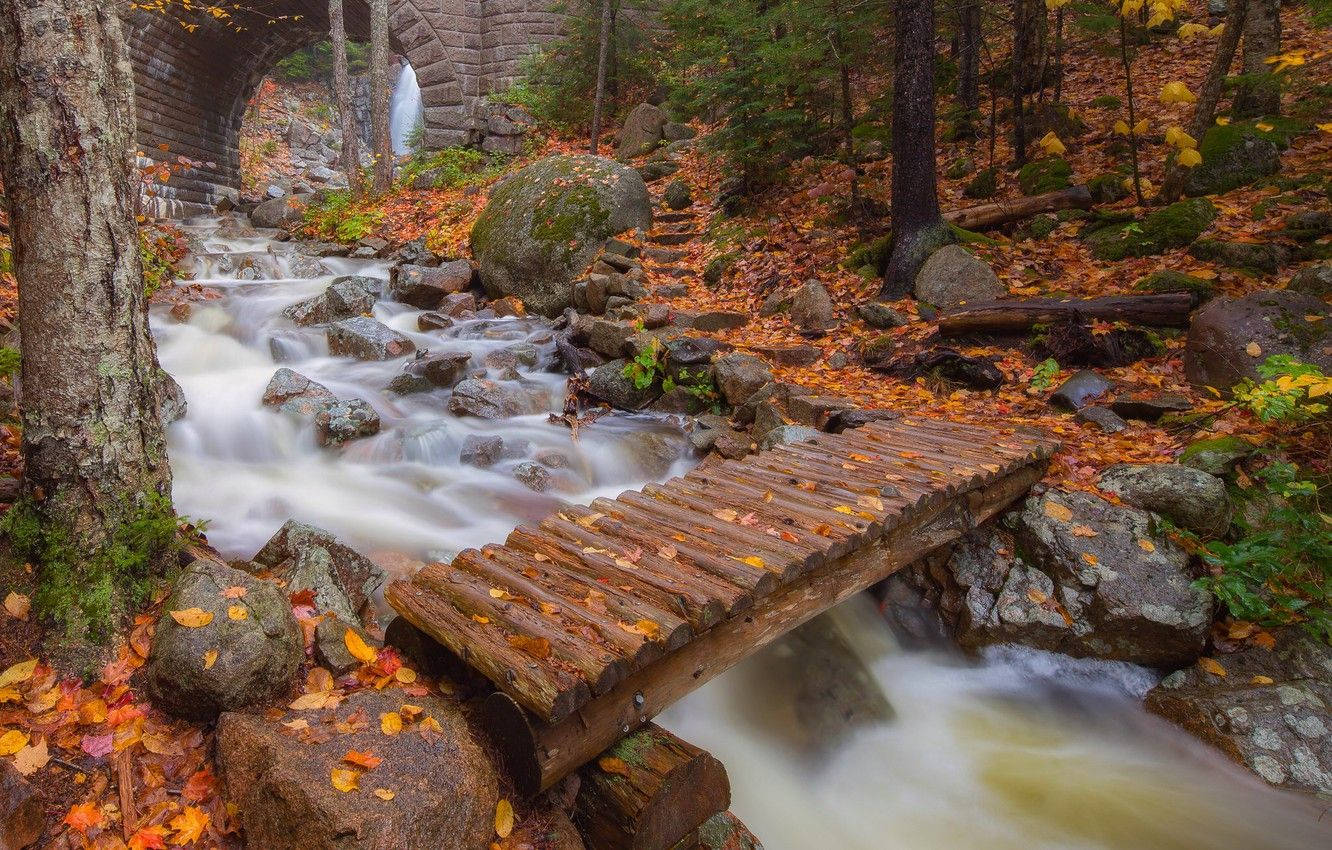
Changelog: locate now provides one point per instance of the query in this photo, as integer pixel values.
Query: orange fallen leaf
(384, 794)
(359, 649)
(83, 817)
(1084, 531)
(234, 592)
(611, 764)
(192, 618)
(1261, 680)
(238, 612)
(18, 605)
(537, 647)
(93, 712)
(345, 780)
(209, 659)
(1054, 510)
(503, 818)
(1090, 559)
(366, 759)
(13, 741)
(1211, 665)
(149, 838)
(390, 723)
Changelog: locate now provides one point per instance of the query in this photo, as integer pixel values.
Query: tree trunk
(1204, 112)
(1261, 92)
(379, 95)
(1127, 64)
(1017, 70)
(603, 58)
(351, 154)
(93, 444)
(1165, 310)
(917, 228)
(998, 213)
(969, 39)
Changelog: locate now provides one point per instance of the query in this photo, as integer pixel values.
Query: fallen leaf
(1090, 559)
(189, 825)
(726, 515)
(93, 712)
(32, 758)
(149, 838)
(237, 612)
(503, 818)
(83, 817)
(18, 605)
(366, 759)
(97, 746)
(359, 649)
(209, 659)
(234, 592)
(589, 520)
(1054, 510)
(192, 618)
(390, 723)
(306, 702)
(405, 675)
(1084, 531)
(752, 560)
(1264, 640)
(1146, 545)
(537, 647)
(20, 672)
(201, 785)
(611, 764)
(383, 793)
(1253, 349)
(1035, 594)
(1211, 665)
(13, 741)
(344, 779)
(1261, 680)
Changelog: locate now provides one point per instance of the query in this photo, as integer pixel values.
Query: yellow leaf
(1146, 545)
(1211, 665)
(1054, 510)
(1189, 31)
(726, 515)
(503, 818)
(611, 764)
(589, 520)
(12, 741)
(359, 649)
(752, 560)
(93, 712)
(1055, 4)
(189, 826)
(845, 509)
(1121, 127)
(1261, 680)
(1189, 158)
(1141, 127)
(31, 759)
(405, 675)
(872, 502)
(306, 702)
(1216, 31)
(1051, 145)
(10, 695)
(390, 723)
(1264, 126)
(192, 618)
(496, 593)
(1222, 121)
(20, 672)
(383, 793)
(1176, 92)
(210, 658)
(238, 612)
(1035, 594)
(344, 779)
(1177, 137)
(17, 605)
(1326, 128)
(1253, 349)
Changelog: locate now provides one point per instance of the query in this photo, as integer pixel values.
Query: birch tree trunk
(351, 153)
(93, 444)
(1260, 94)
(379, 95)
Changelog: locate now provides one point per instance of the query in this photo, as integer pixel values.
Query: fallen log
(987, 216)
(648, 792)
(1169, 309)
(722, 831)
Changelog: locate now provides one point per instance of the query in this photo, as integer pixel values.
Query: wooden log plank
(648, 792)
(539, 755)
(599, 668)
(1166, 310)
(936, 482)
(834, 484)
(913, 493)
(987, 216)
(956, 477)
(549, 692)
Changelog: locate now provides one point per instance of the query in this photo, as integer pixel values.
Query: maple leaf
(366, 759)
(189, 825)
(149, 838)
(201, 785)
(13, 741)
(83, 817)
(20, 672)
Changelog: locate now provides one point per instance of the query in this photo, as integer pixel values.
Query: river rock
(257, 655)
(952, 277)
(653, 453)
(811, 309)
(544, 225)
(481, 450)
(311, 558)
(487, 399)
(1187, 497)
(1081, 388)
(608, 383)
(1230, 337)
(330, 644)
(444, 783)
(739, 376)
(1271, 712)
(533, 476)
(443, 369)
(1102, 417)
(344, 298)
(367, 339)
(292, 392)
(22, 815)
(173, 404)
(876, 314)
(783, 435)
(283, 211)
(643, 130)
(424, 287)
(678, 196)
(341, 420)
(1315, 281)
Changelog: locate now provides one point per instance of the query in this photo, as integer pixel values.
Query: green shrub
(335, 216)
(1107, 101)
(453, 167)
(983, 185)
(316, 62)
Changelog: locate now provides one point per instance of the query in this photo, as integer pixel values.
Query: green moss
(962, 236)
(1107, 101)
(1265, 258)
(1041, 226)
(873, 254)
(630, 748)
(1171, 227)
(959, 168)
(1107, 188)
(1045, 175)
(1232, 155)
(1169, 280)
(567, 215)
(983, 185)
(1215, 456)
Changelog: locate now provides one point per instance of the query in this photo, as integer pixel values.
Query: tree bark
(351, 155)
(1261, 93)
(379, 95)
(93, 443)
(915, 200)
(1017, 71)
(603, 59)
(969, 39)
(1167, 310)
(1204, 112)
(986, 216)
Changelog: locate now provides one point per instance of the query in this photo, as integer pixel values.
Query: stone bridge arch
(192, 84)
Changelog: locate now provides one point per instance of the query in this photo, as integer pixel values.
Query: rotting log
(722, 831)
(987, 216)
(648, 792)
(1165, 310)
(540, 754)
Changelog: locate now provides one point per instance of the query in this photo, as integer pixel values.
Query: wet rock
(292, 392)
(425, 287)
(367, 339)
(1102, 417)
(330, 644)
(1232, 156)
(652, 452)
(257, 655)
(789, 355)
(816, 410)
(508, 306)
(811, 308)
(311, 558)
(444, 783)
(876, 314)
(739, 376)
(1149, 406)
(844, 420)
(785, 434)
(642, 132)
(732, 444)
(533, 476)
(952, 277)
(341, 420)
(609, 338)
(1271, 712)
(306, 267)
(1315, 281)
(608, 383)
(281, 212)
(487, 399)
(1230, 337)
(716, 320)
(345, 298)
(1186, 496)
(691, 351)
(513, 356)
(22, 815)
(174, 406)
(482, 451)
(1081, 388)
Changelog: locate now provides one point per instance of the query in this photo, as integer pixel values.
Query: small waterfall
(405, 110)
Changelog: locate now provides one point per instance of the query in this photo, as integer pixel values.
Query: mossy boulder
(983, 185)
(1216, 455)
(1264, 257)
(1169, 280)
(959, 168)
(543, 226)
(1233, 155)
(1230, 337)
(1045, 175)
(1315, 281)
(1171, 227)
(1107, 188)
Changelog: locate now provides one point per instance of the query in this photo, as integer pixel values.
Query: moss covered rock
(1265, 257)
(1107, 188)
(983, 185)
(1171, 227)
(544, 225)
(1233, 155)
(1045, 175)
(1169, 280)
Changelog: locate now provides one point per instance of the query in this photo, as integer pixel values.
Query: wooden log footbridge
(594, 621)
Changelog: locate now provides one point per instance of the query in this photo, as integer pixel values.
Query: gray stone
(1188, 497)
(174, 407)
(1081, 388)
(424, 287)
(344, 580)
(678, 196)
(330, 644)
(532, 475)
(876, 314)
(718, 320)
(811, 308)
(653, 453)
(1150, 406)
(952, 277)
(1230, 337)
(739, 376)
(785, 434)
(481, 450)
(642, 132)
(257, 655)
(608, 383)
(1232, 156)
(1216, 455)
(543, 226)
(458, 304)
(676, 132)
(488, 400)
(291, 391)
(1102, 417)
(367, 339)
(282, 211)
(1315, 281)
(442, 370)
(341, 420)
(344, 298)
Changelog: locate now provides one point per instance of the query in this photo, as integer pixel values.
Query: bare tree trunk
(1132, 112)
(93, 444)
(603, 58)
(379, 95)
(1209, 94)
(1059, 55)
(351, 154)
(1261, 92)
(917, 227)
(969, 40)
(1018, 72)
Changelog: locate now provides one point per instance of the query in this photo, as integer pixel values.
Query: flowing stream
(837, 741)
(406, 111)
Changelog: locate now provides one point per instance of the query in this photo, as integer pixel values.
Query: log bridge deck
(597, 619)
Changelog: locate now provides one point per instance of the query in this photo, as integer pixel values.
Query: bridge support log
(538, 754)
(648, 792)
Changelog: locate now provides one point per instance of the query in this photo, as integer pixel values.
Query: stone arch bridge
(194, 75)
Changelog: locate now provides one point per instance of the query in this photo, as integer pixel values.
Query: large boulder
(1271, 710)
(544, 225)
(441, 783)
(1232, 156)
(344, 298)
(1170, 227)
(22, 814)
(811, 308)
(952, 276)
(308, 558)
(281, 212)
(258, 648)
(1314, 280)
(367, 339)
(1188, 497)
(1230, 337)
(424, 287)
(643, 130)
(609, 383)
